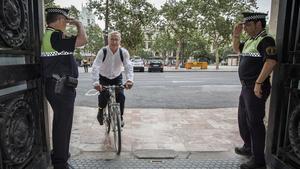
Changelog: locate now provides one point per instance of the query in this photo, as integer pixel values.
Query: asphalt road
(174, 90)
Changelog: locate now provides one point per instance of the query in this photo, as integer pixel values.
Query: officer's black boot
(100, 116)
(243, 151)
(253, 164)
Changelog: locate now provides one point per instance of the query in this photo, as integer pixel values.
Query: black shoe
(251, 164)
(243, 151)
(100, 116)
(122, 123)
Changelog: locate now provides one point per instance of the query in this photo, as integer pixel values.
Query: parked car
(156, 65)
(138, 65)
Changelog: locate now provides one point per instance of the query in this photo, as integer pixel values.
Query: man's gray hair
(114, 33)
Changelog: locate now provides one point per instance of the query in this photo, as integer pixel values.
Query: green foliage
(184, 25)
(225, 51)
(195, 42)
(144, 54)
(164, 42)
(95, 39)
(74, 12)
(77, 55)
(129, 17)
(50, 4)
(179, 19)
(200, 53)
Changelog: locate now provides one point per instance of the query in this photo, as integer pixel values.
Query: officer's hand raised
(73, 22)
(238, 28)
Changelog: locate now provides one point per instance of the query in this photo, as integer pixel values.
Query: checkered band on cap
(254, 17)
(58, 10)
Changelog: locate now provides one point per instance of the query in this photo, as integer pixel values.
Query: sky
(263, 5)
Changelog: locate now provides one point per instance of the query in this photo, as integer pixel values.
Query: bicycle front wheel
(107, 119)
(117, 128)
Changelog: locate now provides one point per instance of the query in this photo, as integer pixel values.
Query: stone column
(273, 17)
(272, 31)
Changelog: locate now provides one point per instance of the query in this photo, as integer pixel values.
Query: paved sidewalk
(181, 130)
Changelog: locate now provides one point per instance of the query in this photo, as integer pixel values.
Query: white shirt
(112, 65)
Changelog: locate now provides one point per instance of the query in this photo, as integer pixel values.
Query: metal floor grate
(154, 164)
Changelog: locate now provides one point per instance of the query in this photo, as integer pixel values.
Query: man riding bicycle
(107, 70)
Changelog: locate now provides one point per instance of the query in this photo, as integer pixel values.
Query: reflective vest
(46, 49)
(250, 47)
(56, 62)
(251, 62)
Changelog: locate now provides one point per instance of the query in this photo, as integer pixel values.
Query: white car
(138, 65)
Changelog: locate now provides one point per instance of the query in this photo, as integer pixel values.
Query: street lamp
(106, 24)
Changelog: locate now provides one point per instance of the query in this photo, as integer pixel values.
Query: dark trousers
(63, 109)
(86, 68)
(104, 95)
(251, 113)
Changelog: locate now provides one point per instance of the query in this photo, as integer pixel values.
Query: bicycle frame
(113, 116)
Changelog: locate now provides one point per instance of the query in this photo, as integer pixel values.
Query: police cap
(61, 11)
(254, 16)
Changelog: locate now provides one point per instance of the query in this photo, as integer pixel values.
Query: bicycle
(112, 116)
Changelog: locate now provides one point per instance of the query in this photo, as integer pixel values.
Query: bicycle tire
(117, 128)
(107, 120)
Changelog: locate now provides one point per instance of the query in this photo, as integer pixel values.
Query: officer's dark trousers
(251, 113)
(63, 108)
(104, 95)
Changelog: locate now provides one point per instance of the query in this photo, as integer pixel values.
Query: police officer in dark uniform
(60, 74)
(257, 60)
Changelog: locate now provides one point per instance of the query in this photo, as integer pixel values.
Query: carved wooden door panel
(23, 136)
(283, 136)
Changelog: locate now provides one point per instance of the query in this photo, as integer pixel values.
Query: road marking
(199, 81)
(215, 86)
(91, 92)
(153, 86)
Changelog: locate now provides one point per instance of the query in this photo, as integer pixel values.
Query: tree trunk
(177, 54)
(217, 58)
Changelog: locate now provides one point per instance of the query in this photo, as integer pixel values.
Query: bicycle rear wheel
(117, 128)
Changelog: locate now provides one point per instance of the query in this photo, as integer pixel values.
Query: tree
(218, 18)
(129, 17)
(144, 54)
(164, 43)
(95, 39)
(179, 18)
(196, 42)
(50, 4)
(74, 12)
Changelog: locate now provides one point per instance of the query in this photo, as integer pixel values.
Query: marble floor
(175, 129)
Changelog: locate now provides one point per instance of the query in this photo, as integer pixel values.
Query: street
(172, 90)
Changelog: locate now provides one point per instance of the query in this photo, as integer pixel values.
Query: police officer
(60, 75)
(257, 60)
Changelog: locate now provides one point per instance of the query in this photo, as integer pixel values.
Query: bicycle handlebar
(113, 86)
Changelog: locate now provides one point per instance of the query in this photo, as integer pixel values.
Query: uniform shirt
(250, 67)
(112, 65)
(64, 62)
